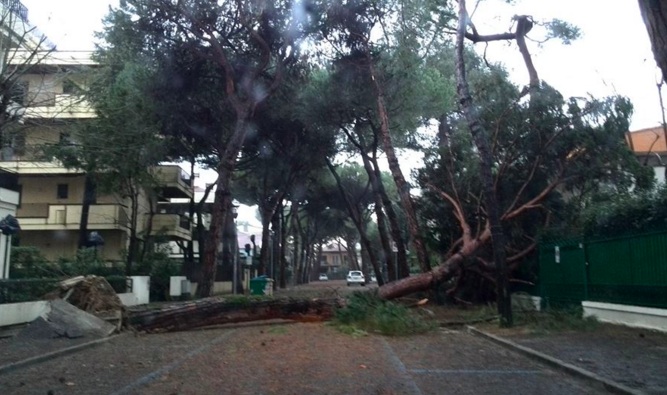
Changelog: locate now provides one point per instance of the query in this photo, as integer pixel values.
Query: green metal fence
(625, 270)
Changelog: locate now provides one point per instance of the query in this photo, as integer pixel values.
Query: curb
(50, 355)
(607, 384)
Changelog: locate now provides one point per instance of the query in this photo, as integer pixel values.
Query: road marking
(473, 371)
(398, 365)
(149, 378)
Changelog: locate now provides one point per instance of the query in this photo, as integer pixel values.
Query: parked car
(373, 278)
(355, 277)
(324, 277)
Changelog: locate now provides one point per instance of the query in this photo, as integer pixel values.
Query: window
(63, 191)
(18, 92)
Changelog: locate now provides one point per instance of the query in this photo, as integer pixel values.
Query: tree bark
(375, 177)
(389, 258)
(396, 235)
(401, 184)
(486, 160)
(219, 311)
(88, 200)
(133, 248)
(654, 14)
(296, 234)
(355, 216)
(221, 204)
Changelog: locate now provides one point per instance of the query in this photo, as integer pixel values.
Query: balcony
(174, 182)
(172, 225)
(22, 165)
(51, 105)
(44, 216)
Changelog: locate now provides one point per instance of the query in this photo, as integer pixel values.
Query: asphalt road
(292, 359)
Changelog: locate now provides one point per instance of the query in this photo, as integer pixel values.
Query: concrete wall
(219, 287)
(19, 313)
(634, 316)
(140, 291)
(176, 286)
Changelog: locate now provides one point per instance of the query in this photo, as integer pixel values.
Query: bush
(158, 265)
(87, 262)
(28, 262)
(25, 289)
(367, 312)
(641, 211)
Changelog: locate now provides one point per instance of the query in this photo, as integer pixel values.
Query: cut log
(218, 311)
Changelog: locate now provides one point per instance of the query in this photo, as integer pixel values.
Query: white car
(355, 277)
(324, 277)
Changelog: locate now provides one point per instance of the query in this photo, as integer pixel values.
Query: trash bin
(261, 285)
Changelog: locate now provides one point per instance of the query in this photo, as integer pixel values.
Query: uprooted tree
(543, 151)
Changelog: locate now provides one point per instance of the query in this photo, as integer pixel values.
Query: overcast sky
(612, 57)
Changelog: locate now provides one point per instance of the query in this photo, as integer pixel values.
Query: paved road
(292, 359)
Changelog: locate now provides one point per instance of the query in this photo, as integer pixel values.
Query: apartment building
(51, 195)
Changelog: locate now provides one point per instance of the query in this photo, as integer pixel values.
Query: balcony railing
(172, 225)
(174, 181)
(17, 8)
(41, 216)
(51, 105)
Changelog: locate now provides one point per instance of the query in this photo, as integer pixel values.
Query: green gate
(625, 270)
(563, 272)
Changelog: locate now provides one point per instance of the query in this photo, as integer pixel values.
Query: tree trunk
(351, 253)
(221, 203)
(389, 257)
(486, 160)
(357, 220)
(230, 249)
(654, 13)
(218, 311)
(279, 244)
(394, 226)
(294, 227)
(265, 249)
(276, 244)
(133, 248)
(401, 185)
(148, 231)
(189, 264)
(89, 191)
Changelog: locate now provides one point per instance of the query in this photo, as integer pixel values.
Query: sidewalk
(635, 359)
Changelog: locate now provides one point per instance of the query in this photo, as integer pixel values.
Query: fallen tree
(548, 156)
(219, 311)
